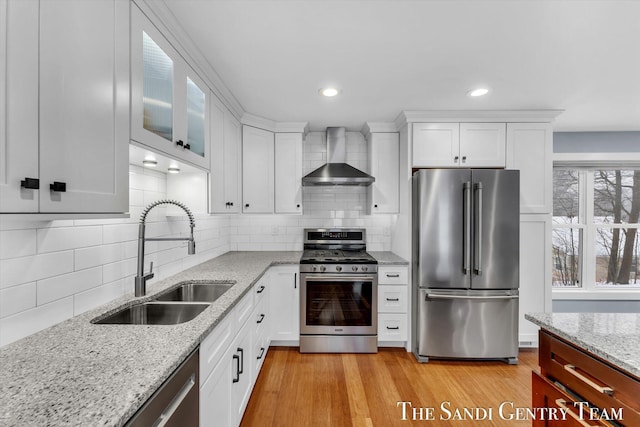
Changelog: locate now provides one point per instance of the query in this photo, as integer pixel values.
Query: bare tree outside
(566, 240)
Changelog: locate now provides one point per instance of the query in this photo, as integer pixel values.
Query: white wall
(53, 270)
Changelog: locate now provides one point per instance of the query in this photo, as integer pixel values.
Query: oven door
(334, 304)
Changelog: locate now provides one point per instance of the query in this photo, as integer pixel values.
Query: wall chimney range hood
(336, 171)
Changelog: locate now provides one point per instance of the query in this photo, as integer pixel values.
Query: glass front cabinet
(169, 102)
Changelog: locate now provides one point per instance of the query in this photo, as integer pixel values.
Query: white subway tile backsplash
(17, 298)
(17, 243)
(121, 269)
(60, 239)
(16, 271)
(98, 255)
(119, 233)
(64, 285)
(95, 297)
(30, 321)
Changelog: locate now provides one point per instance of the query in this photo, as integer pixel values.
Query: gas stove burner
(341, 250)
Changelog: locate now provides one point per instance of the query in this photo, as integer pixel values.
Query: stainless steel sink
(155, 313)
(208, 292)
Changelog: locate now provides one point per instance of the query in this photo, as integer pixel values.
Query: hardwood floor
(363, 390)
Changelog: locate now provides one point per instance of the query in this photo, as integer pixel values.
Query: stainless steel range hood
(336, 171)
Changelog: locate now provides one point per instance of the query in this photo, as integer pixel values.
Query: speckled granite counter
(388, 258)
(614, 337)
(81, 374)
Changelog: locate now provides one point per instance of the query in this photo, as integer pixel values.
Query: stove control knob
(323, 268)
(354, 268)
(338, 268)
(314, 268)
(365, 268)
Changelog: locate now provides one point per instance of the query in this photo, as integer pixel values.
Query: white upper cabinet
(288, 173)
(455, 145)
(73, 140)
(169, 102)
(482, 145)
(384, 163)
(436, 145)
(257, 170)
(226, 160)
(530, 150)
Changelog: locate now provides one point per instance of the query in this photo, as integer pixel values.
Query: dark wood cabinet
(588, 390)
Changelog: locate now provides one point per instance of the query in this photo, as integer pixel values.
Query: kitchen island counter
(613, 337)
(80, 373)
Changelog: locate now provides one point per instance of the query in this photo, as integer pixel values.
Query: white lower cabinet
(231, 357)
(285, 305)
(393, 305)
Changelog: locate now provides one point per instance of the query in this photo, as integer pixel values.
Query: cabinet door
(288, 173)
(84, 105)
(384, 161)
(482, 145)
(215, 393)
(242, 371)
(285, 304)
(257, 170)
(535, 273)
(226, 165)
(169, 102)
(436, 145)
(18, 105)
(530, 150)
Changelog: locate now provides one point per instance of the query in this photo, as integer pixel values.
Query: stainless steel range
(339, 293)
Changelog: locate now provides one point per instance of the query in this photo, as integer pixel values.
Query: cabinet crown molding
(501, 116)
(273, 126)
(378, 127)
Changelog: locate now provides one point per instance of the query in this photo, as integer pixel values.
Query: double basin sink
(178, 305)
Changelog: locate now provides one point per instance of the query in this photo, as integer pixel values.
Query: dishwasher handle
(175, 403)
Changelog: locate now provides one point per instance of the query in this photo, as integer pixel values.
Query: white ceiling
(392, 55)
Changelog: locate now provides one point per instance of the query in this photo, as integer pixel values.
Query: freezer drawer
(467, 324)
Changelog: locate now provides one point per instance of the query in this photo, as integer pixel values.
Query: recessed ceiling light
(152, 163)
(173, 169)
(478, 92)
(329, 91)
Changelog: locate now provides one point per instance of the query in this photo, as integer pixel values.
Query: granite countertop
(79, 373)
(614, 337)
(388, 258)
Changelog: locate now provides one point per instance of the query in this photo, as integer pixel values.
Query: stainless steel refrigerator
(466, 230)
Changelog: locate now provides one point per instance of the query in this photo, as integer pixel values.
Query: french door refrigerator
(465, 264)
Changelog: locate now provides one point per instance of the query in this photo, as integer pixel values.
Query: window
(595, 228)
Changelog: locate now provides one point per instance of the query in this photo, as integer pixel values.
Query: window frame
(586, 163)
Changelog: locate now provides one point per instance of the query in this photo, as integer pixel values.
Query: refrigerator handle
(468, 297)
(466, 247)
(477, 265)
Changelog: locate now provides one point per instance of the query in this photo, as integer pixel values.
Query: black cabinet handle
(58, 186)
(393, 299)
(187, 146)
(230, 203)
(180, 143)
(261, 353)
(375, 206)
(260, 289)
(464, 159)
(30, 183)
(455, 159)
(295, 280)
(393, 275)
(393, 328)
(246, 205)
(227, 204)
(241, 351)
(237, 359)
(261, 318)
(298, 206)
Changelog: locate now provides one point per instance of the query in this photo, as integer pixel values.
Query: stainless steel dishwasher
(176, 402)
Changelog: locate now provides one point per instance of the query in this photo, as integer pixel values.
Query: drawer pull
(393, 328)
(260, 289)
(393, 299)
(393, 275)
(261, 353)
(572, 370)
(563, 405)
(260, 319)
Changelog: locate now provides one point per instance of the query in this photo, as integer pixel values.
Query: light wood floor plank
(363, 390)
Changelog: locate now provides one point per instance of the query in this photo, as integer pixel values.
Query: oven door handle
(340, 278)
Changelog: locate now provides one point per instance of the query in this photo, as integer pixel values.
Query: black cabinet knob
(246, 205)
(230, 203)
(375, 206)
(60, 187)
(297, 206)
(180, 143)
(187, 146)
(30, 183)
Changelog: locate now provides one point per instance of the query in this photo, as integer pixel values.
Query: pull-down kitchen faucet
(141, 277)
